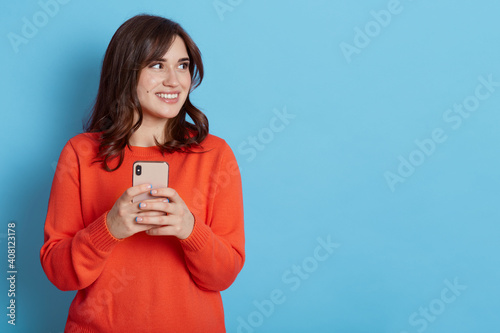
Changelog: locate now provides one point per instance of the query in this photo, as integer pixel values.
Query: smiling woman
(162, 90)
(141, 56)
(159, 264)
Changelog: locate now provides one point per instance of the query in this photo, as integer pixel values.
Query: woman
(157, 265)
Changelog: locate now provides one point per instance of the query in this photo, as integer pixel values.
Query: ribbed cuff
(100, 235)
(198, 238)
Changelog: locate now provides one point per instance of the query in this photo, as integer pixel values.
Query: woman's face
(164, 84)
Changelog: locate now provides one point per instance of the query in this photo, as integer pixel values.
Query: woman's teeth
(168, 96)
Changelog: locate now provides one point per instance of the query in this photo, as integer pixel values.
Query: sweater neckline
(144, 151)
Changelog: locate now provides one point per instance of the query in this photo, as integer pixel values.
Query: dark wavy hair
(136, 43)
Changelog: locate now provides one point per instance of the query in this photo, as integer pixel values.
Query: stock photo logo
(426, 315)
(380, 20)
(223, 6)
(253, 144)
(454, 118)
(31, 26)
(118, 284)
(293, 278)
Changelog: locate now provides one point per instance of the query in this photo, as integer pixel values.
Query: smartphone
(149, 172)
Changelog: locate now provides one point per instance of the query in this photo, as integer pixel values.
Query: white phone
(149, 172)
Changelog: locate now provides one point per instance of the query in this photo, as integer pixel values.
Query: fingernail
(150, 186)
(142, 205)
(138, 219)
(153, 192)
(166, 200)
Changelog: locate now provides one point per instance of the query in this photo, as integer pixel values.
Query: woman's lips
(168, 97)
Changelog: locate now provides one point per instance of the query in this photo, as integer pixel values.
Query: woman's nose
(170, 78)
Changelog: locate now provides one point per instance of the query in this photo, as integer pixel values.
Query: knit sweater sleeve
(214, 252)
(73, 255)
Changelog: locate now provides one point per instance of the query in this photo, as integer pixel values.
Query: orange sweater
(144, 283)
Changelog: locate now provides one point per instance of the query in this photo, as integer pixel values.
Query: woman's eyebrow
(165, 60)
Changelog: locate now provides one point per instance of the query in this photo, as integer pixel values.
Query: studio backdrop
(366, 132)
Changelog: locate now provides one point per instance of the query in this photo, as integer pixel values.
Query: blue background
(319, 174)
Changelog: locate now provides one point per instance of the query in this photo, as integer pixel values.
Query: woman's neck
(145, 136)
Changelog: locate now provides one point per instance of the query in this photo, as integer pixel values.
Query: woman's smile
(164, 84)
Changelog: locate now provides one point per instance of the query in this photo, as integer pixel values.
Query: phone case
(149, 172)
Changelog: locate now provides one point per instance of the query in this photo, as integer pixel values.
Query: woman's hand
(123, 219)
(175, 218)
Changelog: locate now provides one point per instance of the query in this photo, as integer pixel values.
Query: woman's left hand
(178, 221)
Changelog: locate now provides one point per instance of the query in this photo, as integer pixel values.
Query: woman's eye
(157, 66)
(184, 65)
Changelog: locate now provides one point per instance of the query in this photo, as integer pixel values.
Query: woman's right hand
(121, 219)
